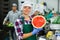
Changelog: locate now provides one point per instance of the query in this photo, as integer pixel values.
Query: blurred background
(5, 6)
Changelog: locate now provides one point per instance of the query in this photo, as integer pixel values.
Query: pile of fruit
(56, 20)
(9, 24)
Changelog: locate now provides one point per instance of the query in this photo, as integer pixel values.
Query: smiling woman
(24, 24)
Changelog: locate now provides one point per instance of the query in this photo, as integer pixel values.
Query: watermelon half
(38, 21)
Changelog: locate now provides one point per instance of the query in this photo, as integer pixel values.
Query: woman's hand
(36, 30)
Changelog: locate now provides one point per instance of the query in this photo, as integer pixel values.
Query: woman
(23, 27)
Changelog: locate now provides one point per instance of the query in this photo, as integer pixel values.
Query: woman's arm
(19, 29)
(35, 31)
(27, 35)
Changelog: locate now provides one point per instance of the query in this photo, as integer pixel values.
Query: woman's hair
(27, 3)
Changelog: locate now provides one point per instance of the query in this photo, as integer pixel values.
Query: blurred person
(53, 11)
(36, 12)
(11, 17)
(55, 16)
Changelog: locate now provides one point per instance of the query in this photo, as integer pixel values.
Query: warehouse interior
(5, 7)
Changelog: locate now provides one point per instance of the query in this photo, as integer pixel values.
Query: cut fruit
(38, 21)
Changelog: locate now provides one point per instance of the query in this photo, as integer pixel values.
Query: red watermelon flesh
(38, 21)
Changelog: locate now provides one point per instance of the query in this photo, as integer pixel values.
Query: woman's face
(26, 10)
